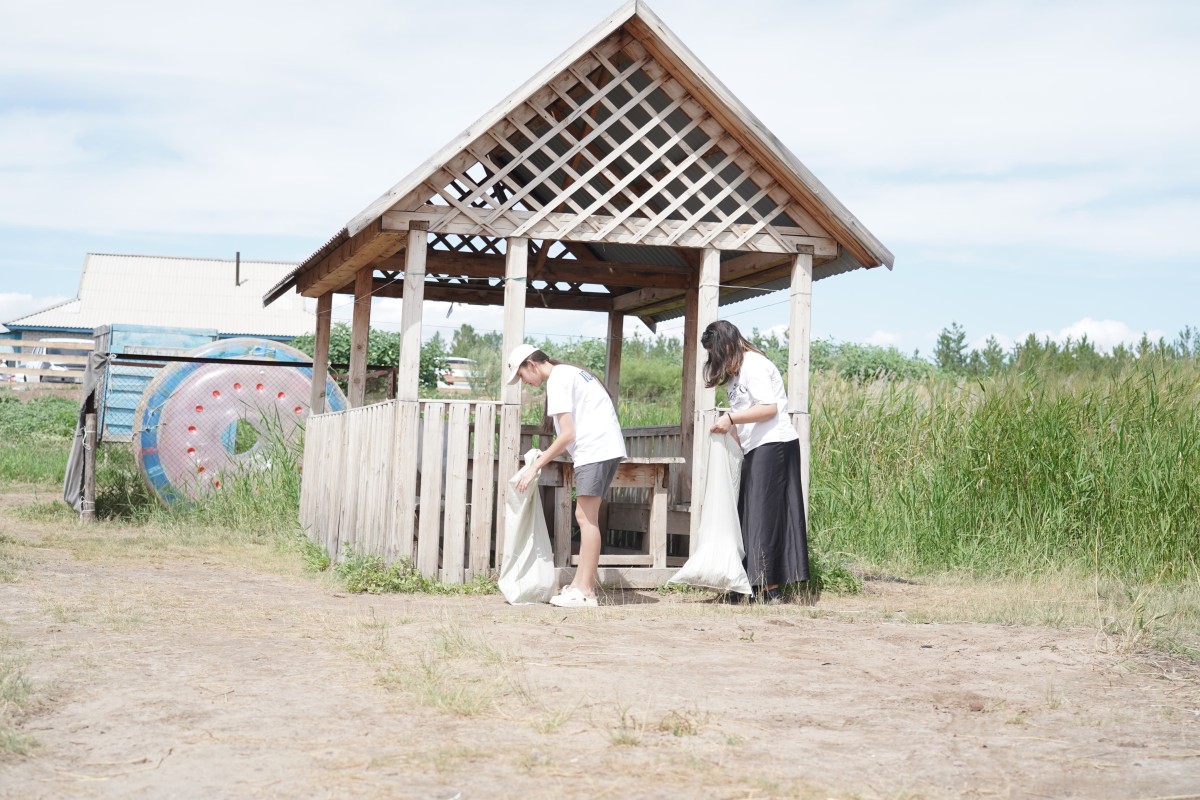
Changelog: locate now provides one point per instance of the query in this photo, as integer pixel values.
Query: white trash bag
(527, 564)
(716, 562)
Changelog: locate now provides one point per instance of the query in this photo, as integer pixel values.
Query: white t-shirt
(760, 382)
(597, 431)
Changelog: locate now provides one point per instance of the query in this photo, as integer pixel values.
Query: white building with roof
(221, 294)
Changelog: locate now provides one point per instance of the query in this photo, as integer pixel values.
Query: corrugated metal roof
(178, 292)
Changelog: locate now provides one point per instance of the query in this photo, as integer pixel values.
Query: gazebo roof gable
(625, 140)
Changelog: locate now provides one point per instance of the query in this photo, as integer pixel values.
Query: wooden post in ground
(360, 333)
(516, 273)
(687, 410)
(799, 335)
(707, 298)
(87, 511)
(612, 354)
(404, 445)
(320, 371)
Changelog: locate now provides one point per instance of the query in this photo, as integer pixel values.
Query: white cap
(515, 359)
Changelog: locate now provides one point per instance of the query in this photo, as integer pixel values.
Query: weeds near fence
(370, 574)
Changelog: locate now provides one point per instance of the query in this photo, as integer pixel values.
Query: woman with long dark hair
(586, 426)
(771, 501)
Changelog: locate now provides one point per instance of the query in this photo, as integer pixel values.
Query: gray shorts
(592, 480)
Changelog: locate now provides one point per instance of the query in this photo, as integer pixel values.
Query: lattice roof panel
(626, 139)
(612, 149)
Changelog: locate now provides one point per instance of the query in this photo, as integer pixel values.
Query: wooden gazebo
(623, 178)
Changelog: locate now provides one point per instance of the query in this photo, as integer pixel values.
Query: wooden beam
(494, 296)
(409, 367)
(320, 371)
(612, 354)
(360, 333)
(340, 266)
(799, 335)
(486, 265)
(749, 270)
(515, 274)
(637, 300)
(687, 411)
(664, 233)
(703, 418)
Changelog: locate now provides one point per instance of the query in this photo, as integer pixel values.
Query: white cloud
(884, 339)
(1105, 334)
(15, 305)
(955, 128)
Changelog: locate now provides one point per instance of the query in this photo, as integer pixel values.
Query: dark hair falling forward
(726, 346)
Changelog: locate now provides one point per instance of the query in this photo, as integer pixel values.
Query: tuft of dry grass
(16, 695)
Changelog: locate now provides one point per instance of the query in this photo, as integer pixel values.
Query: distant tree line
(652, 367)
(952, 356)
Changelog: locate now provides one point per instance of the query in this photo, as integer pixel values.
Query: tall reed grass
(1014, 474)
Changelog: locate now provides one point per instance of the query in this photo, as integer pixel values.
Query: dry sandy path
(193, 679)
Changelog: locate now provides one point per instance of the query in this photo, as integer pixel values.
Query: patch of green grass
(314, 556)
(35, 438)
(371, 574)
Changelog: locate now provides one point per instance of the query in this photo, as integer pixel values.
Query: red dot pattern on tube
(194, 422)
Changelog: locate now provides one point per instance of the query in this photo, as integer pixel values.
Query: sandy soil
(185, 678)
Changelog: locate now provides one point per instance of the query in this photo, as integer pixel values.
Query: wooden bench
(644, 472)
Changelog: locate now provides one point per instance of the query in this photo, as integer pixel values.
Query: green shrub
(372, 575)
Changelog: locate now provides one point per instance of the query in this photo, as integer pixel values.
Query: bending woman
(586, 427)
(771, 501)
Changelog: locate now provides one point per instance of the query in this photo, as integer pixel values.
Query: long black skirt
(771, 507)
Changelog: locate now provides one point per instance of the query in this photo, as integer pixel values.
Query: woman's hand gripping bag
(527, 564)
(716, 562)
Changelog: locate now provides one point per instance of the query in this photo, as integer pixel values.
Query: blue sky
(1033, 166)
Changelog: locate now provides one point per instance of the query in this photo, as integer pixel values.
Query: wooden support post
(408, 409)
(87, 511)
(320, 372)
(687, 410)
(799, 335)
(706, 312)
(409, 368)
(516, 271)
(360, 333)
(612, 354)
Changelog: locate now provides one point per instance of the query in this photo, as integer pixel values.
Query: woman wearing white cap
(586, 427)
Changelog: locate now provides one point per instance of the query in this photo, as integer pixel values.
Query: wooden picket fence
(355, 462)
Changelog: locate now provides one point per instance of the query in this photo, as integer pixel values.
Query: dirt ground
(187, 677)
